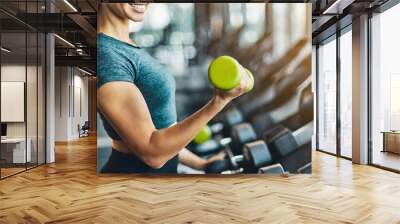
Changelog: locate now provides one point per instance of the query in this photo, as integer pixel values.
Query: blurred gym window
(167, 32)
(298, 21)
(254, 20)
(236, 12)
(288, 31)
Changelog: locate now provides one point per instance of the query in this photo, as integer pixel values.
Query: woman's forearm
(123, 105)
(166, 143)
(191, 160)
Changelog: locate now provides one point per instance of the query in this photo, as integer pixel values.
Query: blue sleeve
(112, 66)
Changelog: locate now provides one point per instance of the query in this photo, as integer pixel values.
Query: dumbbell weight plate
(262, 122)
(242, 134)
(257, 154)
(207, 148)
(203, 135)
(305, 169)
(233, 116)
(283, 144)
(251, 79)
(272, 132)
(225, 72)
(275, 169)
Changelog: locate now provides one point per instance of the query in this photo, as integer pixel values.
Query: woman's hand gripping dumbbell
(226, 74)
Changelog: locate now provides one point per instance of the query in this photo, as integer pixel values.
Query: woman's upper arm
(124, 107)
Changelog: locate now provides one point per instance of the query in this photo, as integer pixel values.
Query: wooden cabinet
(391, 141)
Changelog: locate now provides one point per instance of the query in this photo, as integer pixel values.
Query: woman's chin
(137, 18)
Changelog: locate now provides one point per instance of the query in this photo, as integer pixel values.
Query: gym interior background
(186, 37)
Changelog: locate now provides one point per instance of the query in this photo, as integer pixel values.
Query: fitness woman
(136, 100)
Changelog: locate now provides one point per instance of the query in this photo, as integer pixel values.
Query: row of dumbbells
(265, 155)
(260, 148)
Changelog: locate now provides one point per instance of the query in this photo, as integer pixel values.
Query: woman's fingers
(219, 156)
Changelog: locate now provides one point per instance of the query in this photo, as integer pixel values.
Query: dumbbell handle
(217, 127)
(225, 141)
(237, 160)
(228, 164)
(304, 134)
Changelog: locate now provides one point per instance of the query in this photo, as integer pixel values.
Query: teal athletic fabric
(121, 61)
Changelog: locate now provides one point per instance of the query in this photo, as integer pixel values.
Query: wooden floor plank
(70, 191)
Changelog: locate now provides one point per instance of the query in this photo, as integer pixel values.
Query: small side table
(13, 150)
(391, 141)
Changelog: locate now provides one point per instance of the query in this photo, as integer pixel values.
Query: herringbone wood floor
(70, 191)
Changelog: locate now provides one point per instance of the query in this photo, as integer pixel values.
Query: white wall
(71, 94)
(81, 100)
(61, 103)
(12, 73)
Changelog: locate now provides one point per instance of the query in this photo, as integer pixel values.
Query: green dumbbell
(226, 73)
(251, 78)
(203, 136)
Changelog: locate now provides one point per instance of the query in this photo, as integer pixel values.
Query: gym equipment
(255, 155)
(305, 114)
(282, 93)
(295, 113)
(278, 94)
(291, 115)
(257, 50)
(233, 116)
(278, 144)
(251, 78)
(265, 119)
(286, 141)
(240, 135)
(226, 73)
(209, 141)
(209, 147)
(203, 135)
(291, 149)
(83, 131)
(271, 73)
(273, 169)
(222, 44)
(206, 133)
(281, 62)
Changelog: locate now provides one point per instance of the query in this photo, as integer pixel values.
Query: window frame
(381, 9)
(334, 37)
(31, 30)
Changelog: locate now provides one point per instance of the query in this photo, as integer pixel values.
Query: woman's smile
(139, 7)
